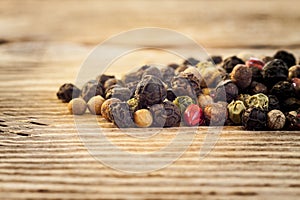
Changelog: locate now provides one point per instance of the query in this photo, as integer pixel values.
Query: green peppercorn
(235, 111)
(182, 102)
(258, 101)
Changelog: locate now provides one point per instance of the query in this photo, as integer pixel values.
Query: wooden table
(42, 156)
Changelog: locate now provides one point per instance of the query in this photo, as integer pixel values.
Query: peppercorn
(215, 114)
(173, 114)
(94, 104)
(150, 90)
(132, 87)
(241, 75)
(159, 115)
(226, 91)
(105, 109)
(133, 104)
(283, 90)
(182, 102)
(215, 59)
(235, 111)
(121, 93)
(173, 65)
(294, 72)
(182, 87)
(170, 95)
(193, 115)
(152, 70)
(191, 61)
(143, 118)
(257, 87)
(273, 102)
(193, 76)
(255, 62)
(276, 119)
(211, 75)
(290, 104)
(131, 77)
(77, 106)
(67, 92)
(292, 120)
(267, 59)
(112, 81)
(258, 101)
(244, 98)
(121, 115)
(230, 62)
(286, 57)
(167, 74)
(274, 71)
(204, 100)
(103, 77)
(91, 89)
(254, 119)
(296, 86)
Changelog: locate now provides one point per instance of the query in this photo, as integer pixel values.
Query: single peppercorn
(255, 63)
(204, 100)
(257, 87)
(105, 109)
(215, 59)
(173, 114)
(159, 115)
(182, 102)
(143, 118)
(235, 111)
(274, 71)
(254, 119)
(292, 120)
(260, 101)
(211, 75)
(121, 93)
(103, 78)
(294, 72)
(112, 81)
(94, 104)
(226, 91)
(152, 70)
(77, 106)
(241, 75)
(121, 115)
(273, 102)
(283, 90)
(91, 89)
(230, 62)
(193, 115)
(182, 87)
(194, 78)
(150, 90)
(191, 61)
(286, 57)
(215, 114)
(276, 119)
(67, 92)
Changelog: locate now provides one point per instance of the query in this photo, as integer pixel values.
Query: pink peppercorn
(193, 115)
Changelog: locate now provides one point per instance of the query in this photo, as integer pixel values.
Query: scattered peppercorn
(67, 92)
(122, 93)
(182, 87)
(230, 62)
(273, 102)
(274, 71)
(121, 115)
(173, 114)
(260, 101)
(286, 57)
(182, 102)
(215, 59)
(226, 91)
(276, 119)
(193, 115)
(241, 75)
(204, 100)
(159, 115)
(77, 106)
(90, 89)
(105, 108)
(235, 111)
(254, 119)
(215, 114)
(293, 120)
(94, 104)
(143, 118)
(294, 72)
(283, 90)
(191, 61)
(257, 87)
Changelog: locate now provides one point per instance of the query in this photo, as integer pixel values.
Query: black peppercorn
(173, 114)
(105, 108)
(292, 120)
(290, 104)
(181, 87)
(286, 57)
(256, 88)
(67, 92)
(159, 115)
(274, 71)
(231, 62)
(111, 82)
(121, 93)
(103, 77)
(194, 78)
(294, 72)
(283, 90)
(121, 115)
(91, 89)
(131, 77)
(152, 70)
(215, 59)
(173, 65)
(254, 119)
(191, 61)
(273, 103)
(150, 90)
(241, 75)
(132, 87)
(226, 91)
(170, 95)
(167, 74)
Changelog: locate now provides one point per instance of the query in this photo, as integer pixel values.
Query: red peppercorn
(193, 115)
(255, 62)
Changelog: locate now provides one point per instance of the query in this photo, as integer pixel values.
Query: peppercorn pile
(257, 93)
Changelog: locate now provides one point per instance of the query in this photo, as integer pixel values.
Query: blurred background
(212, 23)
